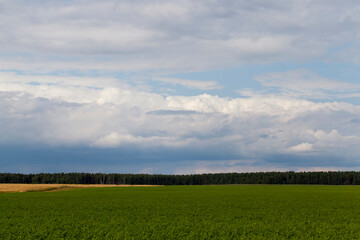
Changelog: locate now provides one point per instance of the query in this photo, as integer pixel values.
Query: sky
(179, 87)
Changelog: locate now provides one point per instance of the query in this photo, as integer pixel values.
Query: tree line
(326, 178)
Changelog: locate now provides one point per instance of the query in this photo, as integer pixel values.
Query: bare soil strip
(14, 187)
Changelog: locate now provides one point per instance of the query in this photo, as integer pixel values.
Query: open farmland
(56, 187)
(184, 212)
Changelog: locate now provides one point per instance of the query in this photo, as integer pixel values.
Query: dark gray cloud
(30, 159)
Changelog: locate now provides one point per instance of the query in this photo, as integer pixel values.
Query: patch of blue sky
(165, 88)
(332, 51)
(34, 83)
(339, 71)
(12, 70)
(16, 54)
(231, 79)
(234, 79)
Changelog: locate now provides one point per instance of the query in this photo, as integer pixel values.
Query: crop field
(184, 212)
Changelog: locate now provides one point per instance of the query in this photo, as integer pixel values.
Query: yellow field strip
(14, 187)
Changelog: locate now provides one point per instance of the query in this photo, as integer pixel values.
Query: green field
(184, 212)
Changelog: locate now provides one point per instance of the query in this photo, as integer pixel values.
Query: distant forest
(327, 178)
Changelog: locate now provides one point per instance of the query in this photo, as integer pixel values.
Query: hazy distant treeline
(333, 178)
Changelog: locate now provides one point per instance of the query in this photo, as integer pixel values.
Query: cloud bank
(255, 131)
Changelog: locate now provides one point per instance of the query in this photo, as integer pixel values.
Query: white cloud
(114, 139)
(202, 167)
(263, 45)
(302, 147)
(196, 169)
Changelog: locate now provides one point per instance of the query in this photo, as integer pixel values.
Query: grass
(184, 212)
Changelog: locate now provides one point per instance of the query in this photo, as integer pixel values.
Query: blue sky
(179, 86)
